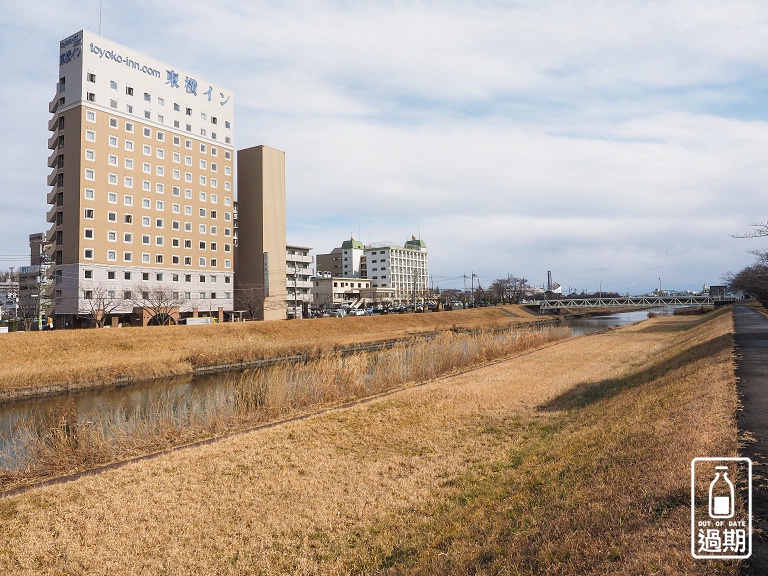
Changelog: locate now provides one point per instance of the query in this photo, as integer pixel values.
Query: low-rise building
(298, 281)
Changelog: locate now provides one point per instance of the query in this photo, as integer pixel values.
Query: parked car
(338, 313)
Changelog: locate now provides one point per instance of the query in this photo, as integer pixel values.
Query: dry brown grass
(82, 441)
(570, 460)
(90, 358)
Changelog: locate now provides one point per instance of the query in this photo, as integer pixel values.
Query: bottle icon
(721, 494)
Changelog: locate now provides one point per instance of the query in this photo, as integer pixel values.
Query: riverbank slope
(569, 460)
(50, 362)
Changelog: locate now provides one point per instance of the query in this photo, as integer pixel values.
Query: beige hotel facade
(142, 183)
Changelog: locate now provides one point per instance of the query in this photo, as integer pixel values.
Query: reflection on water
(592, 324)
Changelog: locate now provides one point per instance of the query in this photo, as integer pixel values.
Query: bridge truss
(634, 302)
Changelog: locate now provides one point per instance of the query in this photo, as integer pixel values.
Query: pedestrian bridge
(633, 302)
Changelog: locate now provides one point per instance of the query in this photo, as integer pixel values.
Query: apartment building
(298, 283)
(402, 270)
(142, 188)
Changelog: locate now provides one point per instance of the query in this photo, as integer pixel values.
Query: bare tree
(759, 230)
(98, 303)
(160, 302)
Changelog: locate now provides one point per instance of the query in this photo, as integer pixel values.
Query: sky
(617, 144)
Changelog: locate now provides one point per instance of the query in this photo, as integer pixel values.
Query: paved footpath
(751, 341)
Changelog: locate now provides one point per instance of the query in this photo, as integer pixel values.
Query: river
(178, 396)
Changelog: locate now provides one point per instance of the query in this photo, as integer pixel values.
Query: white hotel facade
(142, 185)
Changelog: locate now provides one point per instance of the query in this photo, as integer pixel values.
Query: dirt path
(751, 340)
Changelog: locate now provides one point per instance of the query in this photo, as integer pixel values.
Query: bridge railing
(633, 302)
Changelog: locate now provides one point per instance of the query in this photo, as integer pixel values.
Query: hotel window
(213, 230)
(202, 228)
(113, 85)
(145, 258)
(146, 185)
(112, 216)
(128, 182)
(90, 174)
(160, 101)
(158, 258)
(159, 205)
(111, 236)
(188, 144)
(187, 226)
(176, 191)
(227, 201)
(176, 140)
(129, 127)
(129, 108)
(214, 167)
(227, 247)
(147, 150)
(228, 140)
(127, 237)
(187, 261)
(227, 170)
(227, 155)
(188, 160)
(128, 219)
(160, 171)
(146, 167)
(113, 160)
(203, 116)
(214, 183)
(202, 262)
(188, 193)
(189, 111)
(227, 125)
(112, 256)
(160, 153)
(176, 175)
(175, 224)
(202, 196)
(227, 264)
(147, 97)
(113, 122)
(203, 148)
(90, 154)
(203, 180)
(189, 127)
(88, 233)
(214, 198)
(227, 216)
(147, 132)
(88, 253)
(91, 97)
(202, 132)
(213, 265)
(111, 274)
(129, 145)
(90, 135)
(127, 275)
(145, 239)
(161, 136)
(175, 242)
(147, 115)
(112, 197)
(113, 179)
(176, 157)
(129, 90)
(187, 176)
(175, 260)
(203, 164)
(213, 214)
(113, 141)
(159, 223)
(90, 194)
(127, 295)
(202, 245)
(214, 150)
(176, 209)
(146, 203)
(228, 186)
(188, 210)
(146, 221)
(176, 107)
(159, 241)
(161, 119)
(188, 244)
(213, 136)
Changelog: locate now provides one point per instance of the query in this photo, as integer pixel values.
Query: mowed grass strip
(569, 460)
(89, 358)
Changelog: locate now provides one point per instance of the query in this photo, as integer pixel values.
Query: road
(751, 340)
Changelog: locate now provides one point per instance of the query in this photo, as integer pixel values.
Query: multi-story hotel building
(142, 176)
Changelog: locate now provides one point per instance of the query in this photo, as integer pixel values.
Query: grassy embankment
(570, 460)
(55, 361)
